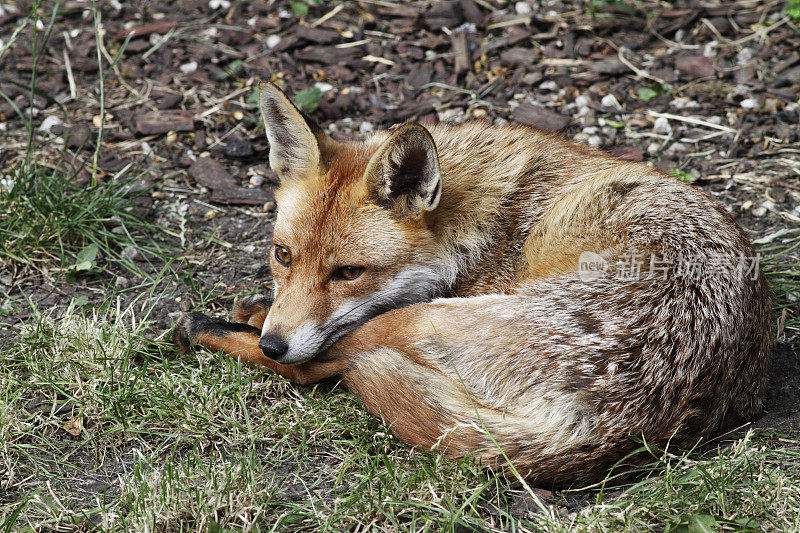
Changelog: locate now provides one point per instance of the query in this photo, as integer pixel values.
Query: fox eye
(283, 255)
(347, 273)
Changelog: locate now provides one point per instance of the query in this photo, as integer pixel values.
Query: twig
(513, 22)
(70, 78)
(639, 72)
(327, 16)
(693, 120)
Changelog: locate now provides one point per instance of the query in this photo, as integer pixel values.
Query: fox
(472, 284)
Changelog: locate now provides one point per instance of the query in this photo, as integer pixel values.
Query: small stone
(122, 282)
(594, 140)
(238, 148)
(366, 127)
(610, 100)
(273, 40)
(662, 126)
(256, 180)
(744, 55)
(749, 103)
(188, 68)
(676, 148)
(549, 85)
(131, 253)
(523, 8)
(49, 122)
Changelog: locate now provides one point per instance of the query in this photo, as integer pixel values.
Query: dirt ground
(707, 88)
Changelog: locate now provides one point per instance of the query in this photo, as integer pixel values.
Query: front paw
(251, 310)
(187, 326)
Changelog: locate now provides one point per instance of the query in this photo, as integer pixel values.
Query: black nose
(273, 346)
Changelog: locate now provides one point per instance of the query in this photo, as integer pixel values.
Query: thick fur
(471, 330)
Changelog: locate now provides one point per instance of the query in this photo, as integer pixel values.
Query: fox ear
(295, 141)
(403, 174)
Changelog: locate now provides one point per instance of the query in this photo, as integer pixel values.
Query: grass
(104, 428)
(46, 218)
(101, 427)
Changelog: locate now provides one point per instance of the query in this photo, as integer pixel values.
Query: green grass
(198, 442)
(46, 218)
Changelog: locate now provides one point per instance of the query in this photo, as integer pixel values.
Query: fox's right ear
(403, 174)
(295, 142)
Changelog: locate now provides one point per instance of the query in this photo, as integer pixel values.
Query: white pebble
(49, 122)
(548, 85)
(710, 49)
(216, 4)
(681, 102)
(591, 130)
(749, 103)
(610, 100)
(273, 40)
(188, 68)
(40, 25)
(761, 210)
(522, 8)
(594, 140)
(653, 148)
(662, 126)
(744, 55)
(581, 137)
(366, 127)
(323, 86)
(256, 180)
(581, 101)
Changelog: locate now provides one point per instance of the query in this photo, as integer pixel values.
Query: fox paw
(251, 310)
(187, 325)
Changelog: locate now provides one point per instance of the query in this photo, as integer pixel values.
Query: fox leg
(251, 310)
(240, 340)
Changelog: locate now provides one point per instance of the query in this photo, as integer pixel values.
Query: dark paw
(187, 325)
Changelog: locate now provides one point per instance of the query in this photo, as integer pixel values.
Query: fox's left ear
(296, 143)
(403, 174)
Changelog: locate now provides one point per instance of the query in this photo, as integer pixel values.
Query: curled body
(503, 293)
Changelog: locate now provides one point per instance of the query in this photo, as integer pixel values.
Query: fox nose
(273, 346)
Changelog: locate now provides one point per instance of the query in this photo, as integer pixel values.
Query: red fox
(503, 293)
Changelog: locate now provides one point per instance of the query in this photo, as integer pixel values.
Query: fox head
(353, 234)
